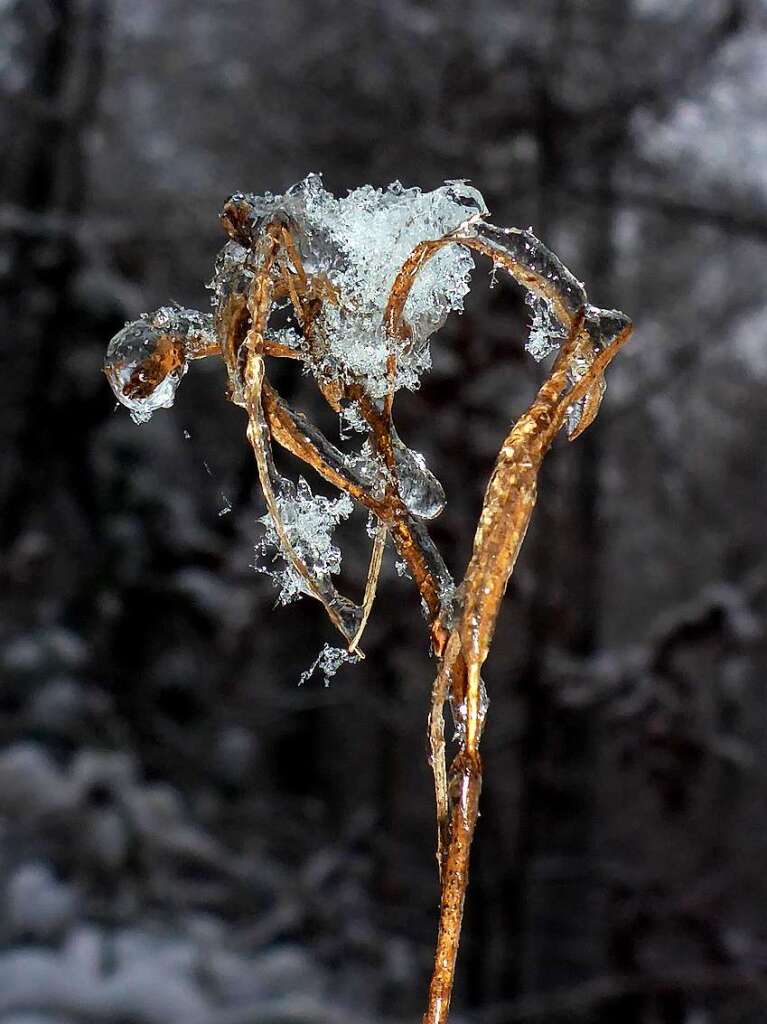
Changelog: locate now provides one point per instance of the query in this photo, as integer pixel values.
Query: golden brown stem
(290, 430)
(464, 789)
(374, 571)
(437, 745)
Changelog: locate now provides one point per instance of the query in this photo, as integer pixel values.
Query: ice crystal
(309, 521)
(147, 359)
(546, 332)
(328, 662)
(371, 525)
(352, 420)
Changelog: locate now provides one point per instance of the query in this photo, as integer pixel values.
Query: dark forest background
(186, 835)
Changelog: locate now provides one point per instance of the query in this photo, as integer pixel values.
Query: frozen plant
(369, 278)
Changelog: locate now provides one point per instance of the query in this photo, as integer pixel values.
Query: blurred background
(186, 835)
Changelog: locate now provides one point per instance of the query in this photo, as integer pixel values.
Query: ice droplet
(144, 367)
(147, 359)
(419, 488)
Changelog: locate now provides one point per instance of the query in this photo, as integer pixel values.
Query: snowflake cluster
(309, 521)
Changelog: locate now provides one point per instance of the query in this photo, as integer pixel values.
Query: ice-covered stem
(242, 325)
(506, 512)
(505, 516)
(354, 271)
(511, 494)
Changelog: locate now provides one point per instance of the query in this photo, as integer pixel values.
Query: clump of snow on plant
(309, 520)
(359, 242)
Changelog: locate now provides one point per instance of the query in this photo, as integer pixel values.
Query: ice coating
(601, 327)
(533, 265)
(458, 711)
(604, 325)
(421, 492)
(231, 274)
